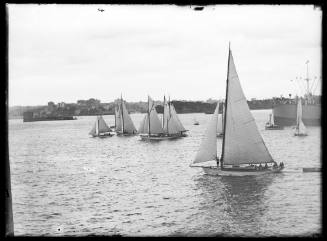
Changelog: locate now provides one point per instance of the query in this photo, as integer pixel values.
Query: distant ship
(29, 116)
(285, 110)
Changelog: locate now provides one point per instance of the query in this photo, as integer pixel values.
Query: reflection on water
(235, 203)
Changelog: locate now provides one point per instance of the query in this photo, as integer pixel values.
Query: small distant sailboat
(242, 143)
(270, 125)
(196, 122)
(171, 124)
(123, 122)
(220, 125)
(150, 127)
(100, 128)
(300, 129)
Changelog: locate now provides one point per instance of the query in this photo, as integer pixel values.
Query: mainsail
(118, 120)
(99, 126)
(151, 120)
(242, 142)
(103, 127)
(208, 147)
(128, 125)
(300, 127)
(170, 123)
(176, 119)
(166, 116)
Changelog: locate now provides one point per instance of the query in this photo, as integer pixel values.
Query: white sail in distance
(103, 127)
(118, 116)
(208, 147)
(166, 116)
(300, 127)
(242, 143)
(170, 124)
(174, 115)
(155, 124)
(128, 123)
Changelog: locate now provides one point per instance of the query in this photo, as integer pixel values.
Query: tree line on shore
(95, 107)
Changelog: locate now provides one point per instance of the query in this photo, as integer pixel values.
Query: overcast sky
(70, 52)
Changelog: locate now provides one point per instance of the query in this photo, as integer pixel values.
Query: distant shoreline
(21, 117)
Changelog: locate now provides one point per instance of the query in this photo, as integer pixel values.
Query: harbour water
(66, 183)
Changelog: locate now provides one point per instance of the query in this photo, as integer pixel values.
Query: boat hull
(157, 138)
(103, 135)
(311, 169)
(300, 134)
(285, 115)
(275, 127)
(214, 171)
(125, 134)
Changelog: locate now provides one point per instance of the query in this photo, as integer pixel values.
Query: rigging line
(314, 83)
(315, 88)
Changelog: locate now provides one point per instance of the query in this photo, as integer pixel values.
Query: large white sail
(174, 115)
(119, 125)
(242, 142)
(128, 123)
(208, 147)
(300, 127)
(103, 127)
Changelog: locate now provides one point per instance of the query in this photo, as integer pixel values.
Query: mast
(149, 116)
(115, 118)
(226, 101)
(97, 130)
(122, 115)
(307, 79)
(163, 113)
(169, 113)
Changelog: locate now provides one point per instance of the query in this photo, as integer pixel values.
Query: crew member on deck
(217, 160)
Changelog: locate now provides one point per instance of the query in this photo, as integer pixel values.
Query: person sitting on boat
(275, 165)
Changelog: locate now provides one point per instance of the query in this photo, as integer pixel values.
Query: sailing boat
(220, 125)
(100, 128)
(150, 127)
(123, 122)
(242, 143)
(195, 122)
(171, 124)
(270, 125)
(300, 129)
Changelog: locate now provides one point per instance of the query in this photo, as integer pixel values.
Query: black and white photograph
(143, 120)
